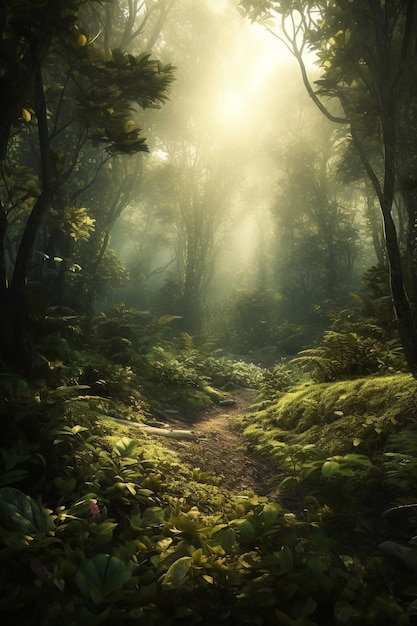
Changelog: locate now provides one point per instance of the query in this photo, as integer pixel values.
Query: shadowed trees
(62, 92)
(317, 238)
(366, 52)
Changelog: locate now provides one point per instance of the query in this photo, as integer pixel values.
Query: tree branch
(297, 52)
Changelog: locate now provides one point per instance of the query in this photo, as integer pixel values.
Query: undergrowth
(97, 527)
(350, 415)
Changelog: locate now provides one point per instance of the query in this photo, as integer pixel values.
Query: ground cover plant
(350, 415)
(98, 526)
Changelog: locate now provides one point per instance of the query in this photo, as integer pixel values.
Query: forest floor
(220, 449)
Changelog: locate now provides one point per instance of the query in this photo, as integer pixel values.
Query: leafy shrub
(100, 540)
(279, 379)
(251, 317)
(223, 371)
(344, 354)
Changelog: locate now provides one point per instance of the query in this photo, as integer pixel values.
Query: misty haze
(208, 312)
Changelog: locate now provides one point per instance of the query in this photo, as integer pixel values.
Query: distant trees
(66, 108)
(192, 177)
(367, 53)
(315, 246)
(317, 239)
(201, 187)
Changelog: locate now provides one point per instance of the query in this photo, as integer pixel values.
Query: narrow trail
(221, 450)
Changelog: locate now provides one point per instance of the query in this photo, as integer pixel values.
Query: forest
(208, 312)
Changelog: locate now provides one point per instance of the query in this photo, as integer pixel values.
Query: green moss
(338, 417)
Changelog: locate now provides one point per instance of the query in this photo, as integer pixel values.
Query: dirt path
(220, 449)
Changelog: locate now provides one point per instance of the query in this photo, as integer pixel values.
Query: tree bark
(17, 351)
(405, 320)
(16, 346)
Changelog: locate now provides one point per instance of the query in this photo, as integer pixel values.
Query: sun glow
(251, 73)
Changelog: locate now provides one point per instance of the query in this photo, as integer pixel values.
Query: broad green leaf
(358, 459)
(270, 512)
(246, 530)
(315, 564)
(19, 512)
(102, 575)
(330, 468)
(226, 538)
(346, 471)
(125, 447)
(177, 572)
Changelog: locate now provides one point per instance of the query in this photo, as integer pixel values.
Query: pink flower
(95, 511)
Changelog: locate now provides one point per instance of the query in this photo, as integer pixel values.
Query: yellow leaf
(357, 441)
(26, 115)
(208, 579)
(128, 126)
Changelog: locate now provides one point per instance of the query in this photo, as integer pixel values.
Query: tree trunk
(405, 320)
(17, 351)
(16, 346)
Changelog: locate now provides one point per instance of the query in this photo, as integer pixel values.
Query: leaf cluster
(96, 536)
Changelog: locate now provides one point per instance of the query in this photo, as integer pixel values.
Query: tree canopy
(65, 98)
(366, 57)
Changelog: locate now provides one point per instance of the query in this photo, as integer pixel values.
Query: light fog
(221, 208)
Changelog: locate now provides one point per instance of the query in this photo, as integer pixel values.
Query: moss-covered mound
(338, 417)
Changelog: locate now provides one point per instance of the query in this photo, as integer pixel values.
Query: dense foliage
(98, 523)
(366, 58)
(93, 529)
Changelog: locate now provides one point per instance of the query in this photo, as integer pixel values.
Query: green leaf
(246, 530)
(315, 564)
(270, 512)
(343, 612)
(309, 607)
(330, 468)
(125, 447)
(282, 619)
(19, 513)
(346, 471)
(286, 559)
(105, 533)
(226, 538)
(102, 575)
(358, 459)
(177, 572)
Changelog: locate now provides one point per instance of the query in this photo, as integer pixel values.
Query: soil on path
(220, 449)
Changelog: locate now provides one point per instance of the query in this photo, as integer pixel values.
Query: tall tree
(50, 59)
(366, 52)
(194, 172)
